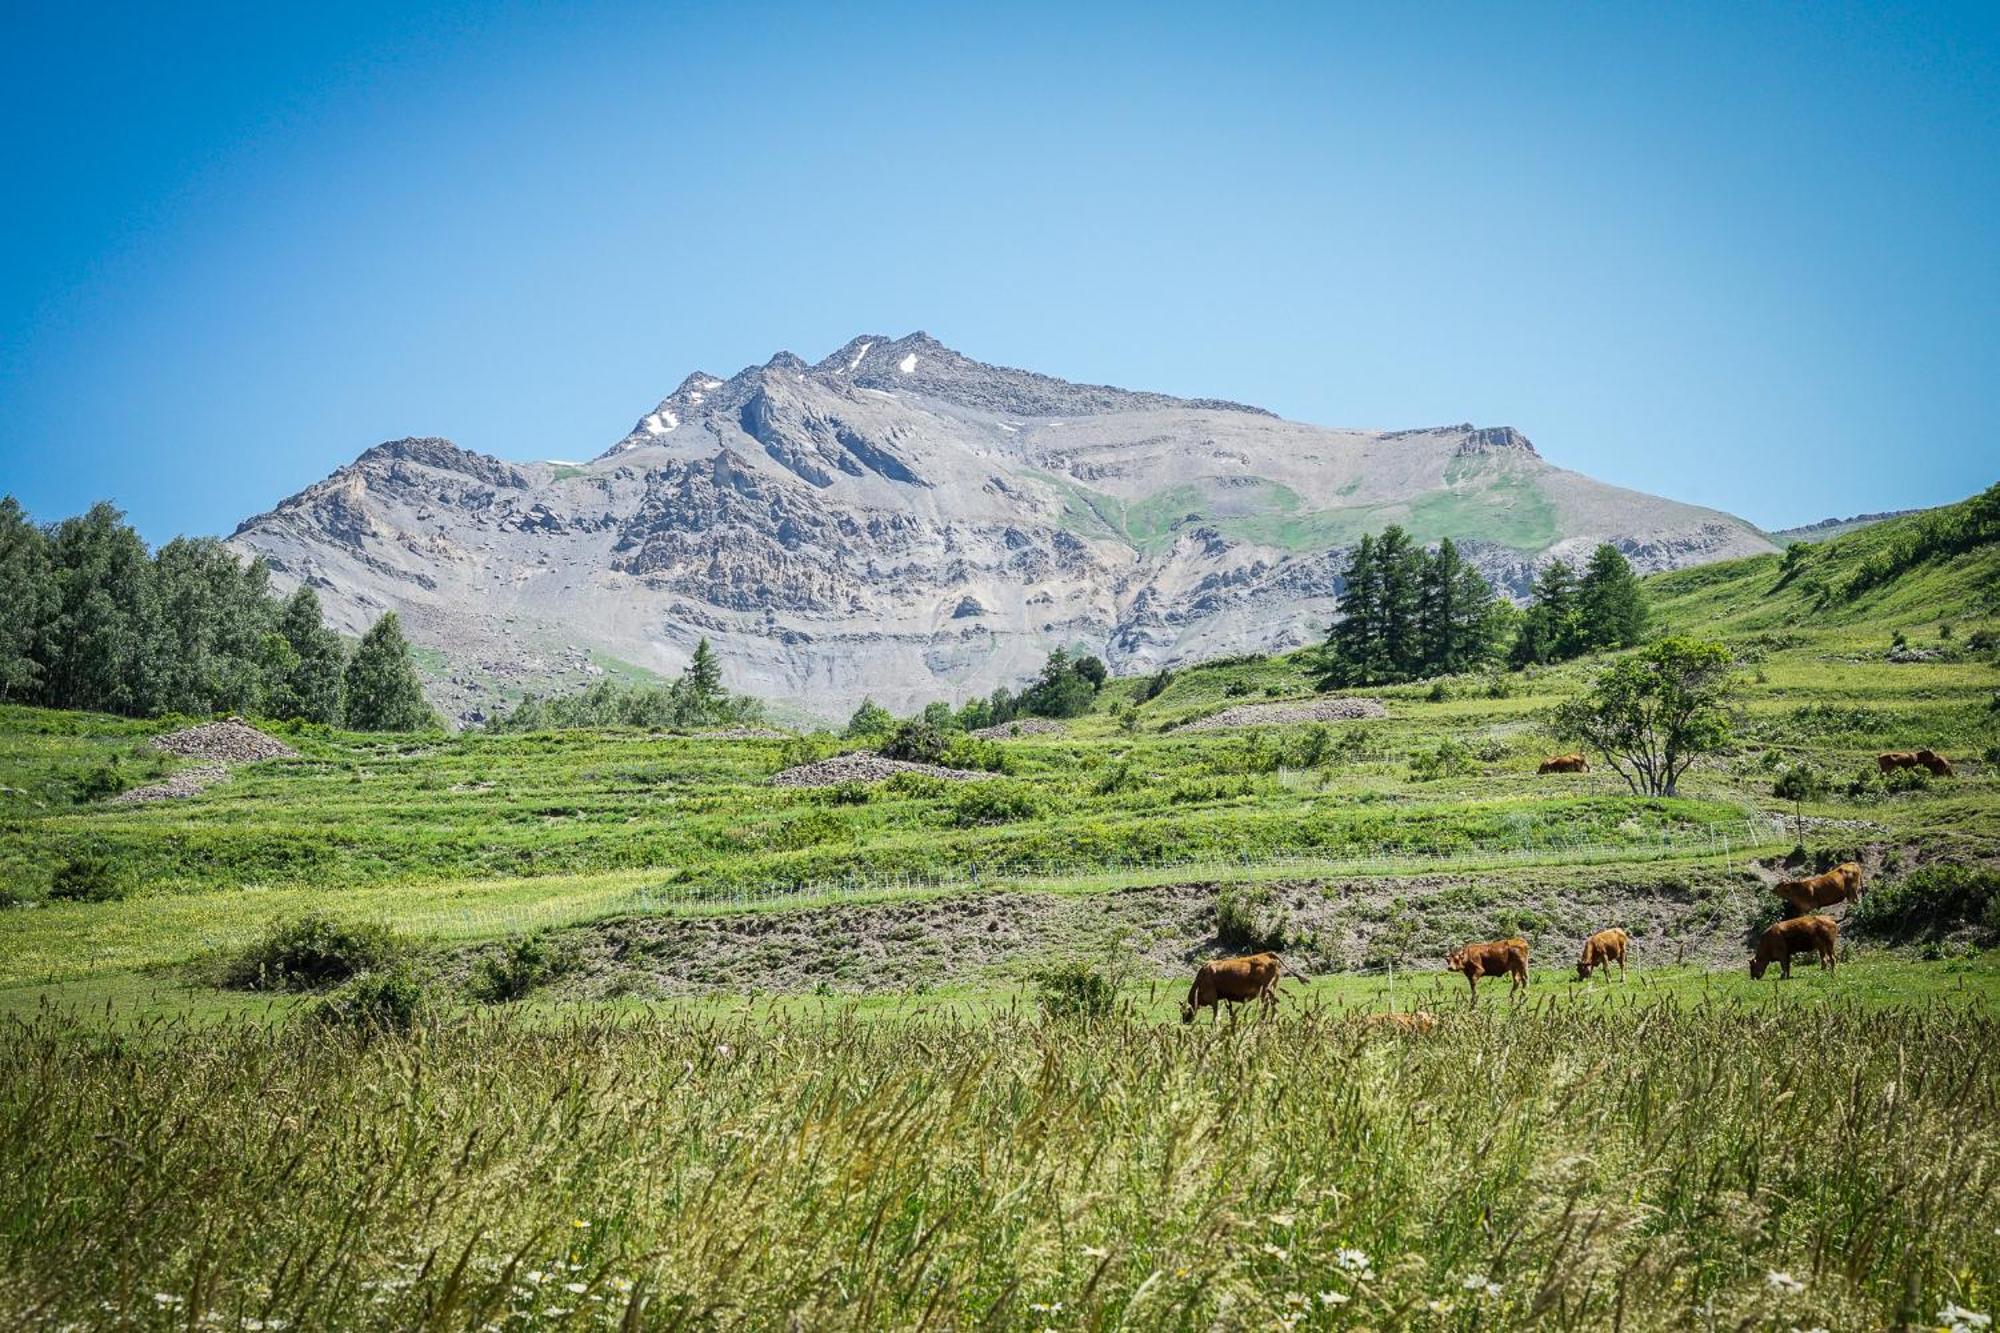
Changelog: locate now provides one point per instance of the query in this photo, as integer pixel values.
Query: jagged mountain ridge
(901, 521)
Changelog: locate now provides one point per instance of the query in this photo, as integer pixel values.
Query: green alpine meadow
(642, 1006)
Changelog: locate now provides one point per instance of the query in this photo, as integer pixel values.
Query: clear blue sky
(1742, 255)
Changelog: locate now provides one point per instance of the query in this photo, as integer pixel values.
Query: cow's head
(1455, 961)
(1757, 966)
(1187, 1013)
(1583, 971)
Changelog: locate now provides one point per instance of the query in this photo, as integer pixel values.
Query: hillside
(902, 521)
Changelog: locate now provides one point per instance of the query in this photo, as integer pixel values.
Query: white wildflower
(537, 1276)
(1332, 1298)
(1784, 1282)
(1351, 1261)
(1276, 1252)
(577, 1287)
(165, 1298)
(1281, 1219)
(1094, 1252)
(1961, 1320)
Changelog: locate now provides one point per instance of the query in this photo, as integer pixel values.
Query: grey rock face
(901, 521)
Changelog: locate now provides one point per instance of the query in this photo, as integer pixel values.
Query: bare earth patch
(866, 768)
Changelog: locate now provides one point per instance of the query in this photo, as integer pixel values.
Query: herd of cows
(1255, 977)
(1802, 931)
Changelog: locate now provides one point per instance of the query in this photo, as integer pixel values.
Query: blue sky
(1742, 255)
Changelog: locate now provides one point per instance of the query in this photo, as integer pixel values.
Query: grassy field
(790, 1060)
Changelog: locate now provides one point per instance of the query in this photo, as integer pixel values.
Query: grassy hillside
(904, 1054)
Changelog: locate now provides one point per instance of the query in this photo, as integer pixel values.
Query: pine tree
(1354, 641)
(1610, 604)
(703, 677)
(1437, 608)
(1551, 630)
(1478, 616)
(1401, 564)
(310, 688)
(383, 691)
(28, 600)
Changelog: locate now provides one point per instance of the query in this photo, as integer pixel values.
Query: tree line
(696, 699)
(90, 619)
(1407, 613)
(1066, 687)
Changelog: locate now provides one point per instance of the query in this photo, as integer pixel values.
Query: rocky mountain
(901, 521)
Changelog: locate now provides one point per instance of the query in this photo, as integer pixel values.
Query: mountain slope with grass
(902, 521)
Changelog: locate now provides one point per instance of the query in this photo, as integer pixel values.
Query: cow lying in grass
(1565, 763)
(1237, 980)
(1602, 950)
(1496, 958)
(1796, 935)
(1842, 884)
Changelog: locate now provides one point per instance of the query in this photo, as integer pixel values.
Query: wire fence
(1723, 842)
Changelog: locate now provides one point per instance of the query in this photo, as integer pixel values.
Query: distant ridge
(902, 521)
(1828, 528)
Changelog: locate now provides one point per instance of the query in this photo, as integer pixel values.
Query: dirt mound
(225, 742)
(1312, 710)
(866, 768)
(1027, 726)
(184, 783)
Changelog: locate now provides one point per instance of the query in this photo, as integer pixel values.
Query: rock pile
(184, 783)
(225, 742)
(1312, 710)
(862, 767)
(1026, 726)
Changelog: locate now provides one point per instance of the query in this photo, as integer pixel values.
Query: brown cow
(1842, 884)
(1799, 934)
(1416, 1024)
(1894, 760)
(1237, 980)
(1602, 950)
(1491, 960)
(1939, 766)
(1565, 763)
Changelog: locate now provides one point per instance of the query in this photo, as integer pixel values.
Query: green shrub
(1932, 899)
(312, 952)
(1907, 780)
(993, 802)
(375, 1003)
(89, 877)
(916, 742)
(520, 966)
(1449, 758)
(99, 782)
(1155, 685)
(1077, 990)
(1246, 918)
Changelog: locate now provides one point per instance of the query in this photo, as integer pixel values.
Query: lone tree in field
(383, 692)
(1652, 715)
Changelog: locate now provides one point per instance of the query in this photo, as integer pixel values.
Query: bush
(1933, 899)
(993, 802)
(89, 877)
(916, 742)
(1155, 685)
(388, 1001)
(101, 781)
(312, 952)
(1077, 990)
(1245, 919)
(1907, 779)
(521, 965)
(1450, 758)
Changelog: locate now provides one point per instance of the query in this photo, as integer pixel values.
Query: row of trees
(90, 619)
(1407, 613)
(1066, 687)
(696, 699)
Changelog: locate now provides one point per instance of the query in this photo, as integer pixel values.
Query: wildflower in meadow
(1094, 1252)
(1784, 1282)
(1957, 1319)
(1333, 1298)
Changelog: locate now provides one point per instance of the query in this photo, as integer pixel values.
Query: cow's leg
(1785, 968)
(1473, 984)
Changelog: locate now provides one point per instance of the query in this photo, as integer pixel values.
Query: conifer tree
(383, 690)
(1610, 604)
(310, 687)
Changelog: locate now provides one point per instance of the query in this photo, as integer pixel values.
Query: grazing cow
(1565, 763)
(1602, 950)
(1894, 760)
(1416, 1024)
(1509, 957)
(1799, 934)
(1939, 766)
(1842, 884)
(1236, 980)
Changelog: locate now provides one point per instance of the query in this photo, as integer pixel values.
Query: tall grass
(1640, 1166)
